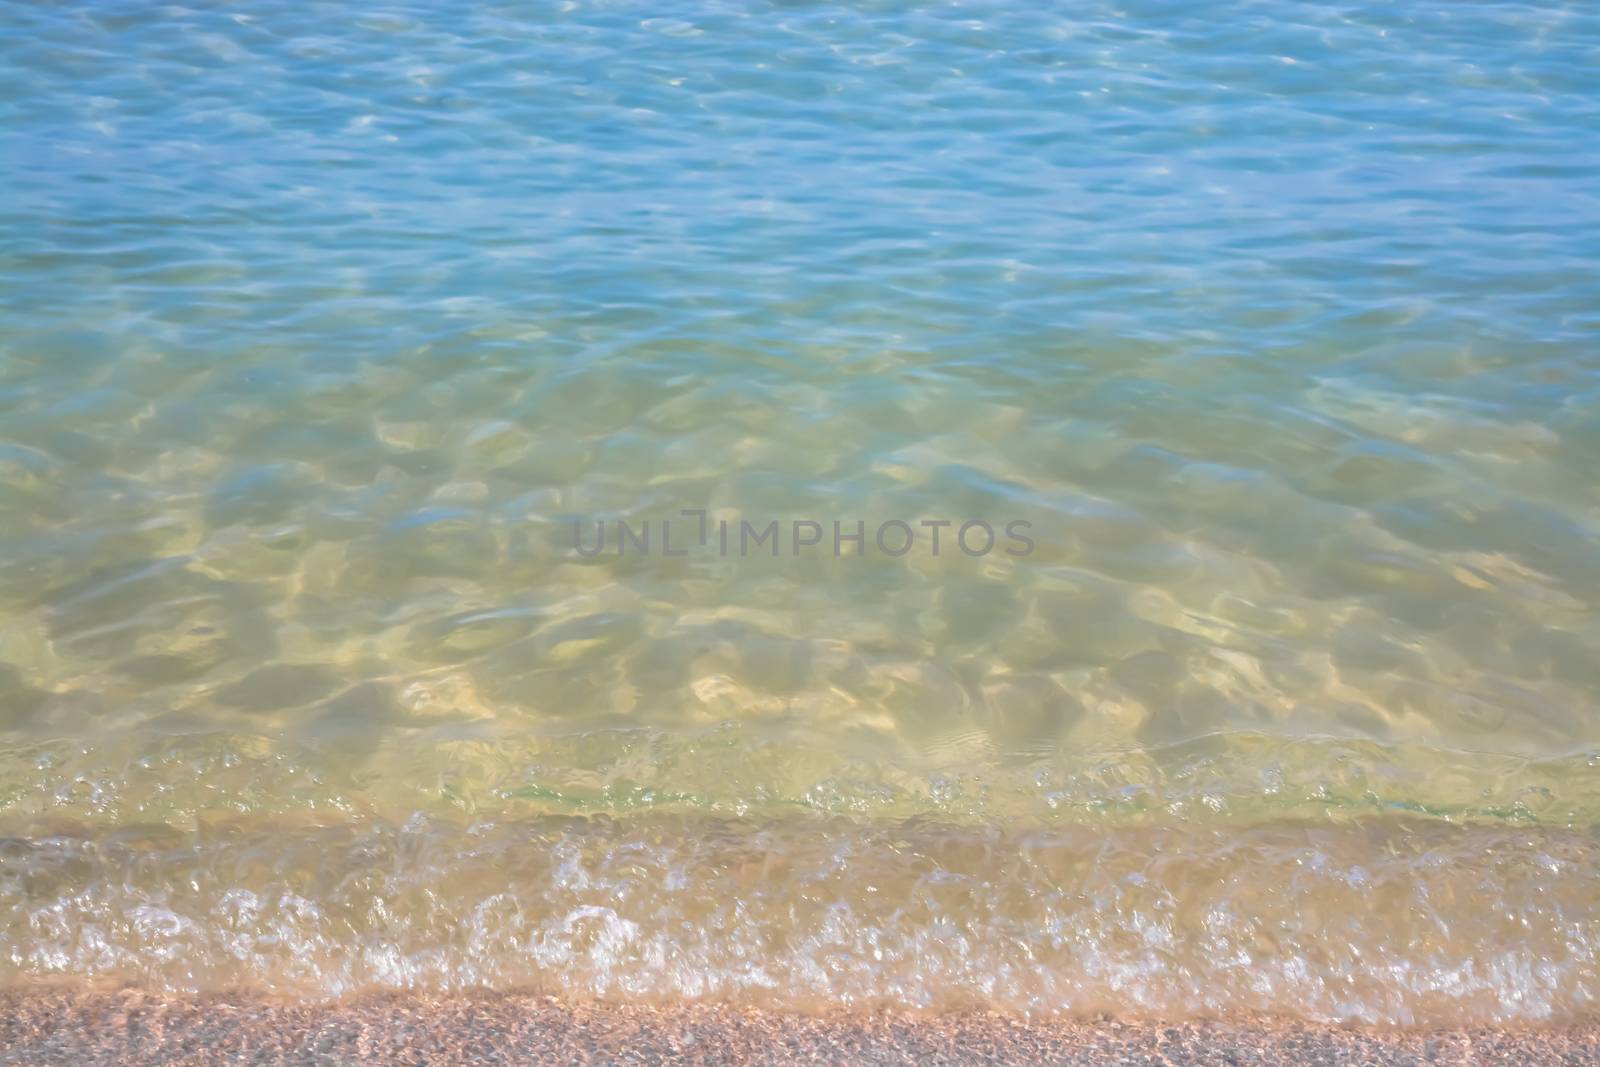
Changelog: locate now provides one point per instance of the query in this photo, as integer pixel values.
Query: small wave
(1382, 920)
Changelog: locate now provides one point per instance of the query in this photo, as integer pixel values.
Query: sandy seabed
(66, 1026)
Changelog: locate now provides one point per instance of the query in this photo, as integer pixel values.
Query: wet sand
(59, 1026)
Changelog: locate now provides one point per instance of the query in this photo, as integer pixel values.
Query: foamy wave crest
(1377, 920)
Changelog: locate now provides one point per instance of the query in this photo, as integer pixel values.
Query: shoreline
(67, 1025)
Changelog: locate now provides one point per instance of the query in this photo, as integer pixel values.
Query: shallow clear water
(331, 332)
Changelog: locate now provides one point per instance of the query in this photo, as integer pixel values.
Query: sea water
(335, 336)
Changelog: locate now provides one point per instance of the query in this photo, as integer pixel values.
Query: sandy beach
(60, 1026)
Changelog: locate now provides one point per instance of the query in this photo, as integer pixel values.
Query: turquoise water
(330, 333)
